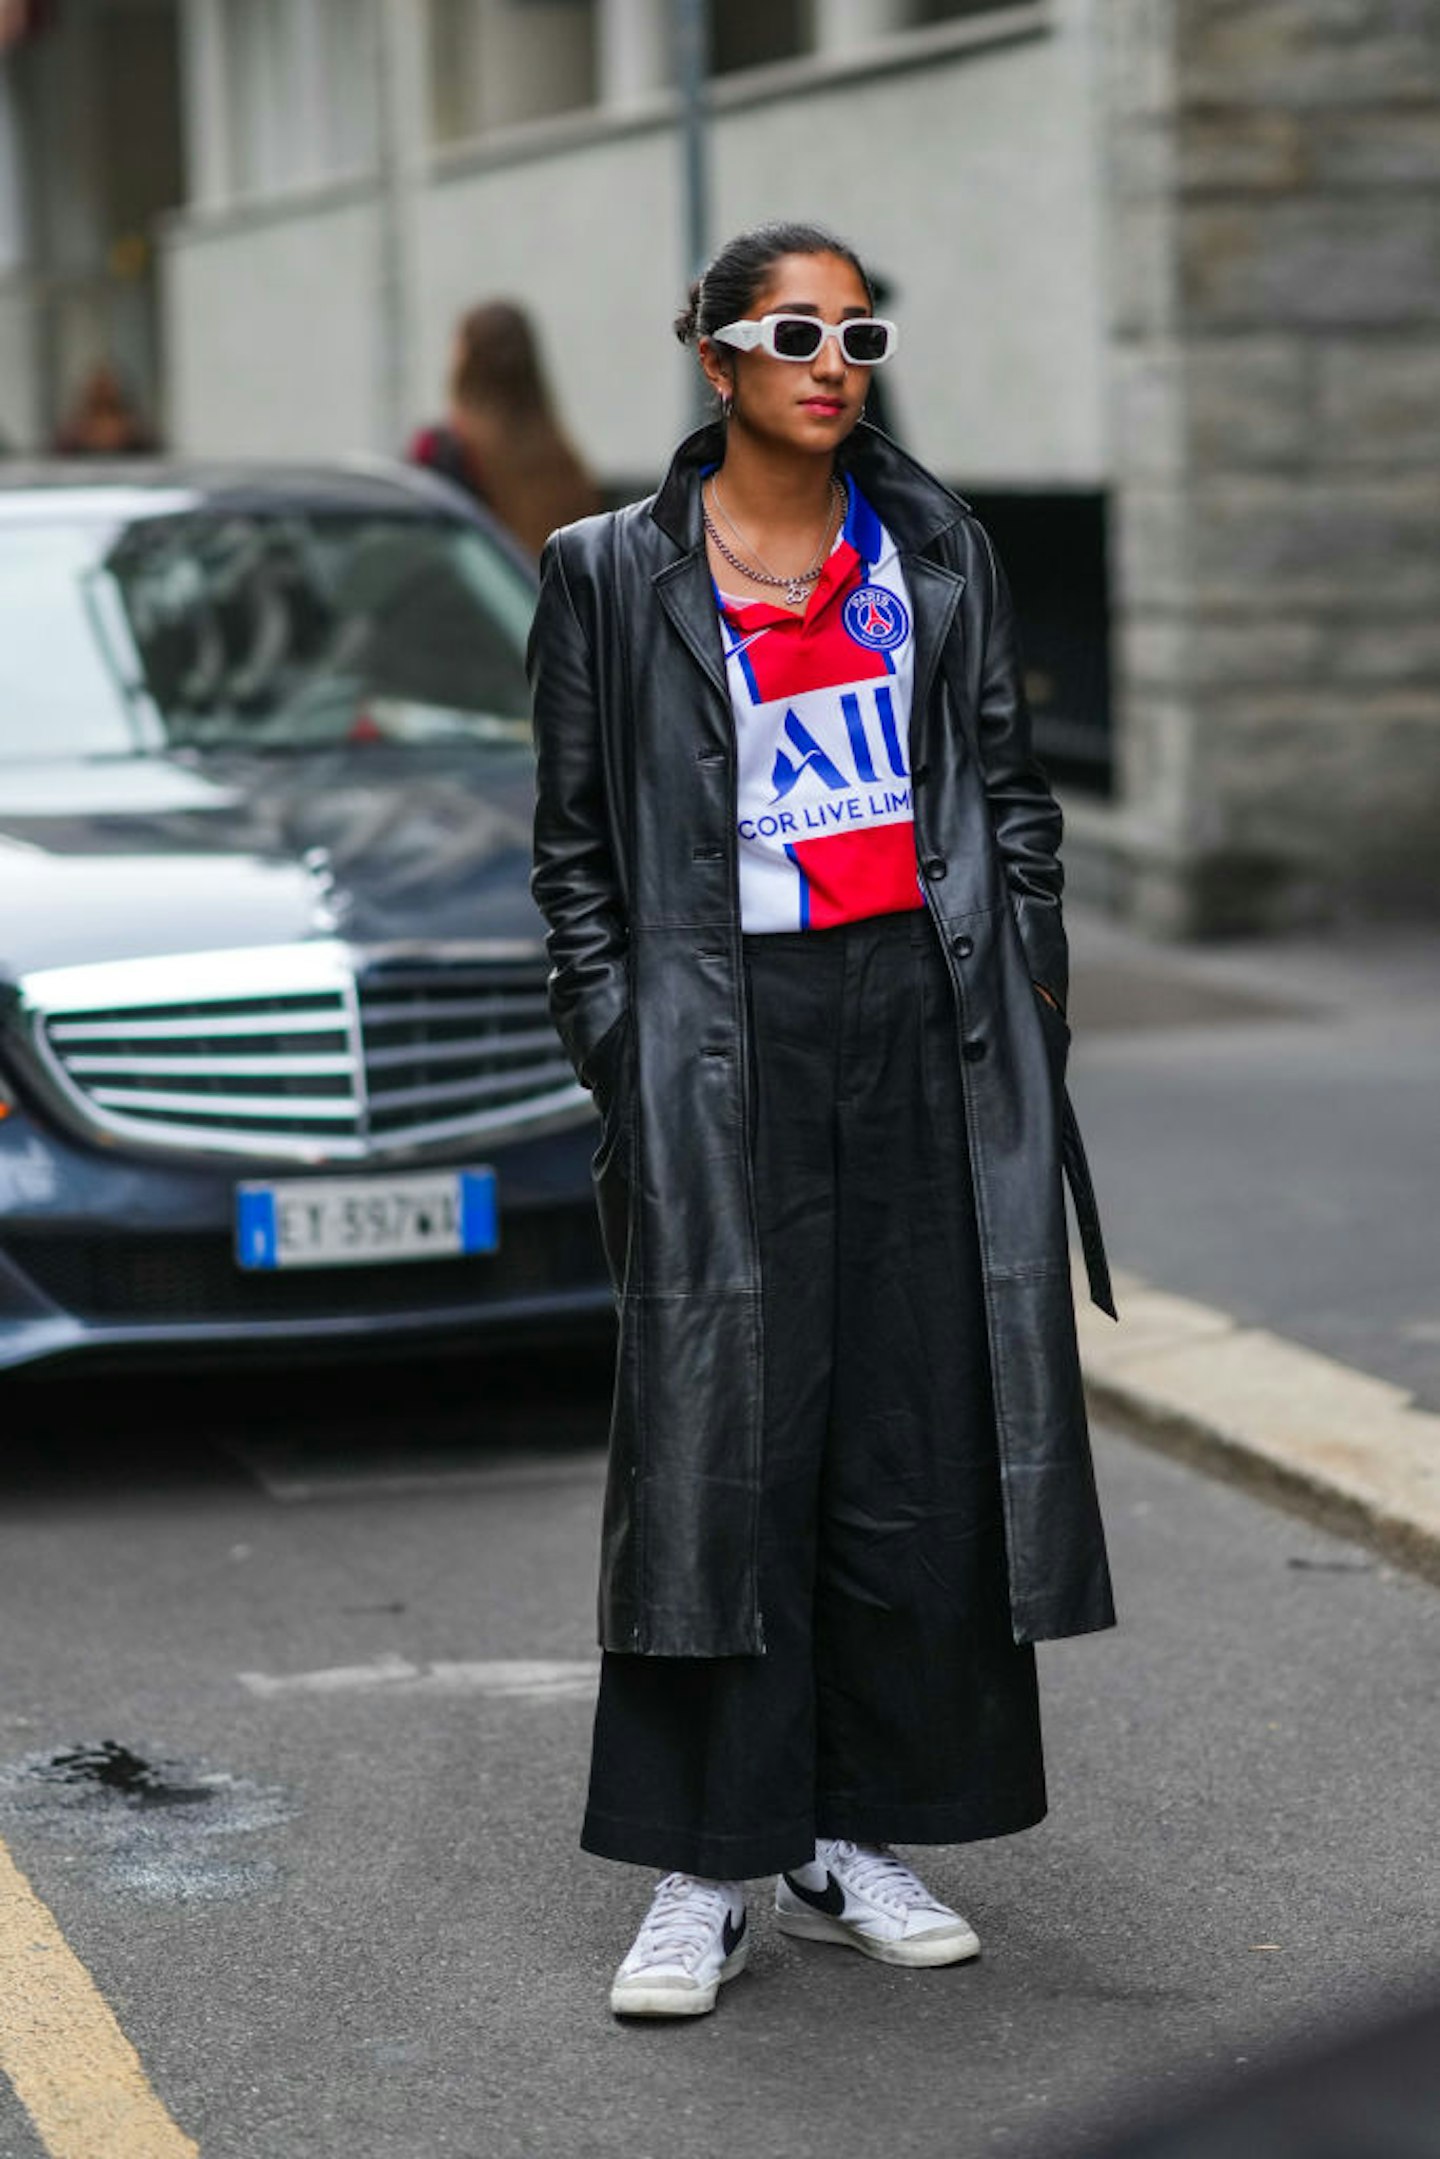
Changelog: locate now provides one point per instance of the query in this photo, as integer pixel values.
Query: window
(751, 33)
(301, 83)
(283, 630)
(919, 12)
(453, 28)
(349, 89)
(496, 62)
(261, 90)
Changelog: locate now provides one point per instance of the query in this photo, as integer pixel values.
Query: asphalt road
(1261, 1123)
(296, 1690)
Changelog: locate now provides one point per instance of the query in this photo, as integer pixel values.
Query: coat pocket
(611, 1068)
(1056, 1030)
(604, 1070)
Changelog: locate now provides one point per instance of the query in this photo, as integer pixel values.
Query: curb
(1349, 1451)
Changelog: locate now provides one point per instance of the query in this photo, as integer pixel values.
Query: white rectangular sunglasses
(865, 340)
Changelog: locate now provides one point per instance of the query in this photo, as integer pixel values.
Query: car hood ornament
(332, 904)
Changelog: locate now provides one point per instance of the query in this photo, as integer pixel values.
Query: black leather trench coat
(636, 875)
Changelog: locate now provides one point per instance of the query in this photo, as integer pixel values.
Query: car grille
(442, 1043)
(192, 1277)
(312, 1052)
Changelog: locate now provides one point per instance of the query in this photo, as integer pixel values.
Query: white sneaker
(693, 1938)
(862, 1896)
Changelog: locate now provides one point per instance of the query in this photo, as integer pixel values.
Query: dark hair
(728, 288)
(518, 456)
(496, 360)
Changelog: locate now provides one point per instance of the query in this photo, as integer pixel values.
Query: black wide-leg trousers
(892, 1703)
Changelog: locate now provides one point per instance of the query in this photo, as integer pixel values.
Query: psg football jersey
(822, 711)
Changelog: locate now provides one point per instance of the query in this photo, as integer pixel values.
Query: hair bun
(687, 322)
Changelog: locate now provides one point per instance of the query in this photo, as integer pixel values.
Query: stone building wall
(1274, 175)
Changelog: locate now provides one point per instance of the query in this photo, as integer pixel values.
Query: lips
(827, 406)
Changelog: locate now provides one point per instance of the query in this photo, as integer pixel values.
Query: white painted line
(525, 1679)
(74, 2071)
(387, 1671)
(1339, 1433)
(299, 1475)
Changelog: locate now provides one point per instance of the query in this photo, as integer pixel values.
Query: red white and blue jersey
(822, 714)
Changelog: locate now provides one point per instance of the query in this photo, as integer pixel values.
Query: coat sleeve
(573, 880)
(1024, 813)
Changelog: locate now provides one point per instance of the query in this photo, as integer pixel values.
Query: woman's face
(809, 404)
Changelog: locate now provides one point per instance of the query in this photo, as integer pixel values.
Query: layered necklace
(797, 588)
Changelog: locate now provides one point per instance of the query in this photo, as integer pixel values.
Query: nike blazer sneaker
(863, 1897)
(693, 1938)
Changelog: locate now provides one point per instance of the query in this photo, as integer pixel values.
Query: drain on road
(114, 1768)
(146, 1825)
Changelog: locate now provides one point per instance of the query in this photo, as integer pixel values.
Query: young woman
(502, 439)
(799, 870)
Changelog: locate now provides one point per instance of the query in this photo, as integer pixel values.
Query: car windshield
(207, 628)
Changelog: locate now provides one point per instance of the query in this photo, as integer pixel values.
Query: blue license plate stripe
(255, 1227)
(479, 1211)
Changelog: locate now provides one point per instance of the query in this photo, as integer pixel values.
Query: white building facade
(529, 148)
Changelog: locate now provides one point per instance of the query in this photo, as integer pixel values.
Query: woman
(103, 422)
(799, 871)
(503, 441)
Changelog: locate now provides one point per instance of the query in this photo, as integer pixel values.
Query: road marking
(74, 2071)
(296, 1473)
(525, 1679)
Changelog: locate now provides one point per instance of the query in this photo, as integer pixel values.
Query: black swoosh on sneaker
(732, 1936)
(830, 1899)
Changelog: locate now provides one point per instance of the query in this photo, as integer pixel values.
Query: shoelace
(680, 1924)
(878, 1874)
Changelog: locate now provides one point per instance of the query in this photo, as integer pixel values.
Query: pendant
(794, 594)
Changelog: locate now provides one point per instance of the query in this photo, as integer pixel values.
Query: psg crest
(876, 618)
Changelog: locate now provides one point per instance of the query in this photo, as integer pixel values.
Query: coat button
(974, 1051)
(920, 775)
(962, 946)
(935, 868)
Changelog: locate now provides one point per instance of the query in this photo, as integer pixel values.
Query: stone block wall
(1274, 181)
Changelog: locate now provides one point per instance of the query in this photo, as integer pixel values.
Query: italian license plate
(366, 1221)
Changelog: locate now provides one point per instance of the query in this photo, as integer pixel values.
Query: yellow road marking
(74, 2071)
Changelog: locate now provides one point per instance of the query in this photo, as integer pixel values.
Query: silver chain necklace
(796, 588)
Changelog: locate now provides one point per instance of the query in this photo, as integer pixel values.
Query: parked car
(275, 1063)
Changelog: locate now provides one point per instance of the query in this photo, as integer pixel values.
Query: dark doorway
(1053, 549)
(101, 96)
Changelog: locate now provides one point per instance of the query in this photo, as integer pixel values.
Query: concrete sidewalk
(1264, 1127)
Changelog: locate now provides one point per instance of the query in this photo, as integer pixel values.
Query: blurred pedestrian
(880, 400)
(850, 1481)
(502, 439)
(103, 421)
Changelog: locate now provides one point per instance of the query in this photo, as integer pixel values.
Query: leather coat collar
(913, 505)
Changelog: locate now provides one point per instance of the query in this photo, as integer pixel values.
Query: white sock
(735, 1891)
(814, 1872)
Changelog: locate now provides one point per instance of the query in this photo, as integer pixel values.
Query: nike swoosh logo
(732, 1936)
(830, 1899)
(743, 644)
